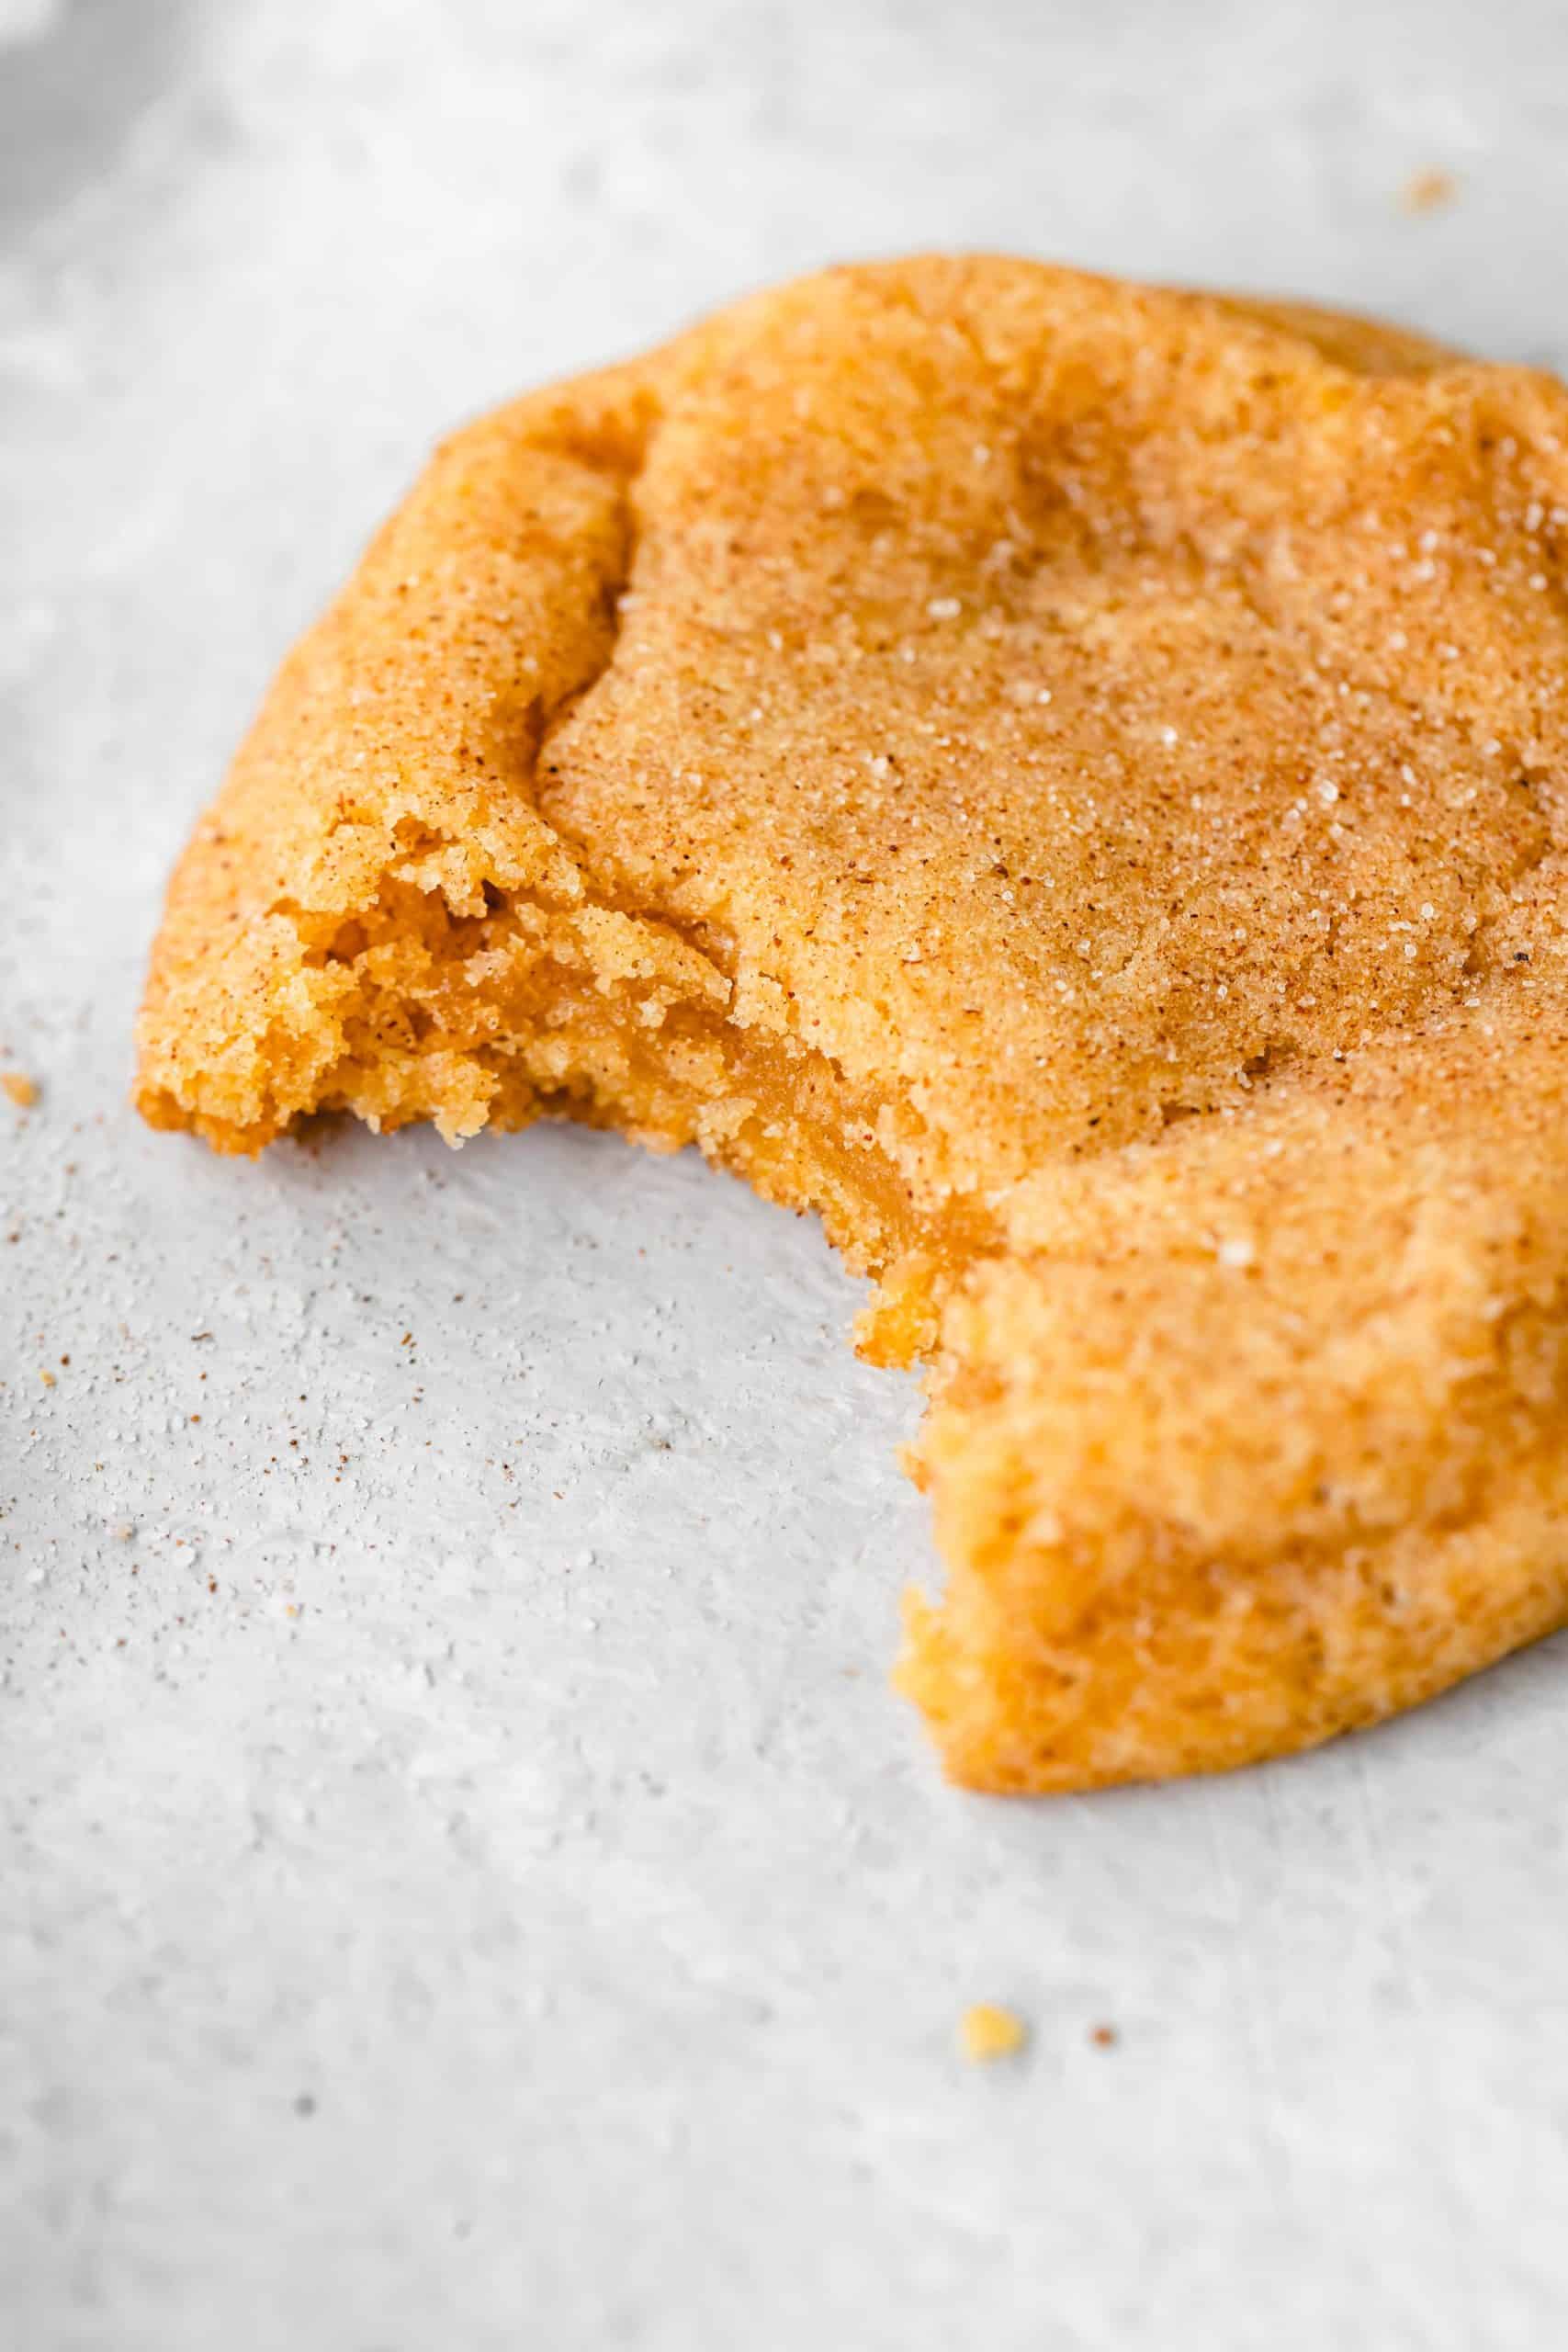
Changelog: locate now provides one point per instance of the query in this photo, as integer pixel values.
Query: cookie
(1067, 781)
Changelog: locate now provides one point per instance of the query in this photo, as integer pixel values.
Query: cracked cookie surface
(1067, 781)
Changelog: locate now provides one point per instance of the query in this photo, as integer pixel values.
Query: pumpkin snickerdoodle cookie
(1070, 782)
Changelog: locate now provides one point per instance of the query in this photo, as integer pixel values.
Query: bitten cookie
(1068, 781)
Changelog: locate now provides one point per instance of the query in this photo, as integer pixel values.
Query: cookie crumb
(986, 2031)
(1105, 2037)
(22, 1089)
(46, 1375)
(1428, 189)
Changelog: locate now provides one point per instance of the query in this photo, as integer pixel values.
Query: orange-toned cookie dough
(1070, 782)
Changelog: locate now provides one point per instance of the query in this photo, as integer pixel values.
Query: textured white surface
(465, 1883)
